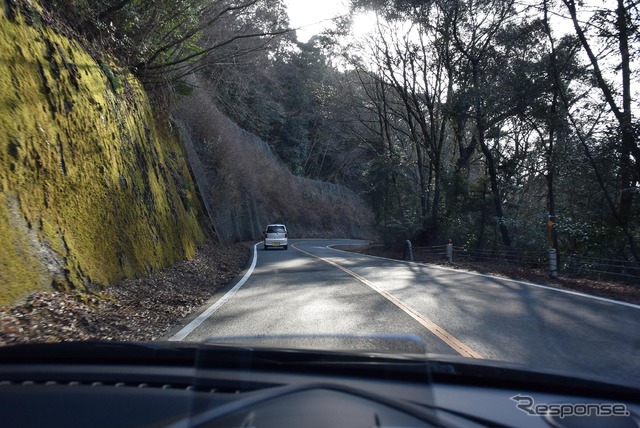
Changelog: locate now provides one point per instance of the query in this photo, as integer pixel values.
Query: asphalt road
(315, 296)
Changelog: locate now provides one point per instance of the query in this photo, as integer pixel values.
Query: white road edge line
(186, 330)
(546, 287)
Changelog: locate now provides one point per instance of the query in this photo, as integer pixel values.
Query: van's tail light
(286, 235)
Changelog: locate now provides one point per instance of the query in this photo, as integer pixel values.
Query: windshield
(453, 178)
(275, 229)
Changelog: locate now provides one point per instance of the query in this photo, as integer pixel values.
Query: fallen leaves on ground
(134, 310)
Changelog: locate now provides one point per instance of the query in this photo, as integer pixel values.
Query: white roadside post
(553, 263)
(553, 254)
(408, 251)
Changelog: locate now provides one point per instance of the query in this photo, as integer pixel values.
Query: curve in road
(319, 291)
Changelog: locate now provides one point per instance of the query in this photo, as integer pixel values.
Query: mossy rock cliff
(92, 189)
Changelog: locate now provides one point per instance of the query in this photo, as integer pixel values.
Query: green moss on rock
(92, 189)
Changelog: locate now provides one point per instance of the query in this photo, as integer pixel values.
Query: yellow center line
(440, 332)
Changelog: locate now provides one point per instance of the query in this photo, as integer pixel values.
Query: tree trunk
(493, 176)
(495, 190)
(551, 200)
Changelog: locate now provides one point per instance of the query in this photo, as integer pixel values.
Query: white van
(276, 236)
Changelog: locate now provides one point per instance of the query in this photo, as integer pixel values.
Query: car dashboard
(139, 385)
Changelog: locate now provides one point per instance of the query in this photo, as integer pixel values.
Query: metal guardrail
(586, 267)
(602, 268)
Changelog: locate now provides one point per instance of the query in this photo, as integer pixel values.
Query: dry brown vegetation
(248, 186)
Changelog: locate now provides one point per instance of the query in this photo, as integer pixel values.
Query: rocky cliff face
(92, 189)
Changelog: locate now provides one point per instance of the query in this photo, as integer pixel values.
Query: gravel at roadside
(134, 310)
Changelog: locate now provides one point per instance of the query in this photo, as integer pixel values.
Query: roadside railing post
(450, 251)
(553, 263)
(408, 251)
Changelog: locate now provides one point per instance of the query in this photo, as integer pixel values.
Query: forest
(494, 123)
